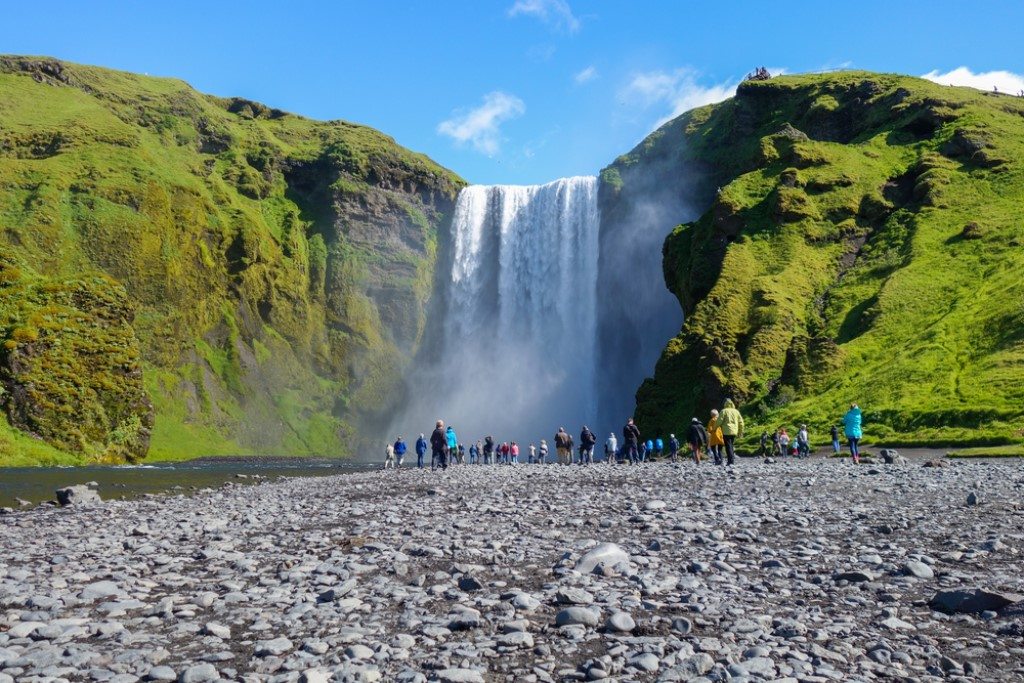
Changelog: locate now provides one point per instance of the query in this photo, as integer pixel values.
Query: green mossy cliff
(863, 240)
(185, 275)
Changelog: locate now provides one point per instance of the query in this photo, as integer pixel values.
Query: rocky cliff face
(272, 271)
(856, 243)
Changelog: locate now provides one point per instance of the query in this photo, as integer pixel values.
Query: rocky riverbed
(799, 571)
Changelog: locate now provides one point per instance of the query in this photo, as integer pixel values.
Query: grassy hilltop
(863, 240)
(186, 275)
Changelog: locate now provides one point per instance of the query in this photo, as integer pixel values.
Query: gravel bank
(800, 571)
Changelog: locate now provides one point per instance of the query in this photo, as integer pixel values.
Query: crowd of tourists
(715, 440)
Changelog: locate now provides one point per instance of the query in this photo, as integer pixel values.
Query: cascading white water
(519, 340)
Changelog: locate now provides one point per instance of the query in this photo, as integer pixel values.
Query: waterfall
(518, 335)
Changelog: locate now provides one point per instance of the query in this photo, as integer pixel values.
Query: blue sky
(515, 91)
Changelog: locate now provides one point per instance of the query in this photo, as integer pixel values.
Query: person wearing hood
(697, 438)
(439, 447)
(715, 439)
(611, 449)
(731, 423)
(673, 446)
(421, 450)
(631, 439)
(852, 425)
(587, 443)
(400, 449)
(452, 440)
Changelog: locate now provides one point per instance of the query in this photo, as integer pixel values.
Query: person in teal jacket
(852, 426)
(453, 442)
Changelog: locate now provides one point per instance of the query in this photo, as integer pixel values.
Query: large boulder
(972, 601)
(891, 456)
(77, 495)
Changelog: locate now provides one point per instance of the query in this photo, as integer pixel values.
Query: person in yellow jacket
(715, 440)
(731, 423)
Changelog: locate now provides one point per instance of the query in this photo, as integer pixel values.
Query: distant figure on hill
(400, 449)
(587, 443)
(611, 449)
(389, 456)
(835, 440)
(763, 445)
(715, 438)
(852, 426)
(462, 454)
(731, 423)
(673, 446)
(563, 446)
(631, 441)
(513, 450)
(697, 438)
(421, 450)
(439, 447)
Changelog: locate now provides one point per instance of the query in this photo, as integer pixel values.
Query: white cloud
(678, 89)
(587, 75)
(555, 13)
(1006, 81)
(481, 126)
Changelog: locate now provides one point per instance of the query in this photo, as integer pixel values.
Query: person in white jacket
(389, 456)
(611, 447)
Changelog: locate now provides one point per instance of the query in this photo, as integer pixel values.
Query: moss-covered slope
(864, 243)
(204, 275)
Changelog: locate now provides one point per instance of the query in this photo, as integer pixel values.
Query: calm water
(37, 484)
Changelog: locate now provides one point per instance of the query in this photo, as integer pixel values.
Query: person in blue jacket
(852, 426)
(453, 442)
(400, 449)
(421, 450)
(659, 446)
(648, 450)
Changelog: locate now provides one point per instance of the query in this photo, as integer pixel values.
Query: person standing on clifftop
(631, 437)
(439, 447)
(715, 440)
(852, 422)
(731, 423)
(421, 450)
(400, 449)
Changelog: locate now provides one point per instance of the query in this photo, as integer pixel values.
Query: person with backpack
(542, 453)
(400, 449)
(648, 451)
(611, 449)
(489, 450)
(659, 447)
(715, 439)
(732, 426)
(803, 442)
(439, 447)
(563, 446)
(697, 438)
(673, 446)
(631, 439)
(835, 440)
(587, 443)
(421, 450)
(389, 456)
(853, 427)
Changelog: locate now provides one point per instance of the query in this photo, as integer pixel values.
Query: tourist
(647, 451)
(473, 453)
(697, 438)
(400, 449)
(611, 449)
(631, 439)
(835, 440)
(852, 422)
(587, 443)
(533, 455)
(764, 444)
(563, 446)
(389, 456)
(453, 446)
(542, 452)
(659, 447)
(421, 450)
(514, 451)
(784, 440)
(731, 423)
(777, 442)
(803, 442)
(462, 454)
(489, 450)
(673, 446)
(715, 439)
(439, 447)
